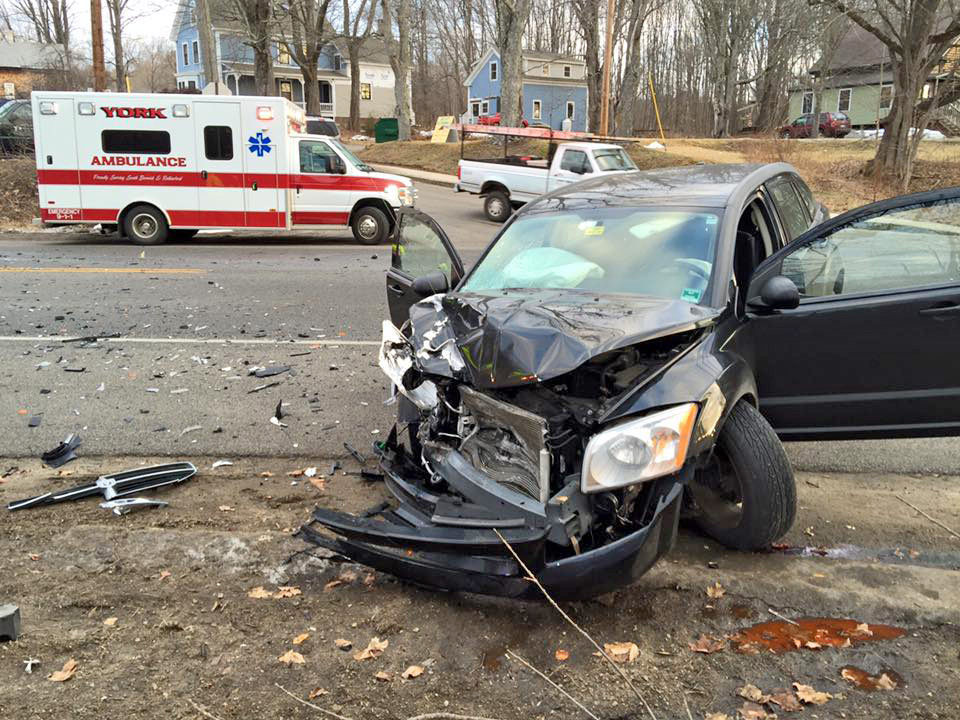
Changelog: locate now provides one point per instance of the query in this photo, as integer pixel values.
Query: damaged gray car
(624, 354)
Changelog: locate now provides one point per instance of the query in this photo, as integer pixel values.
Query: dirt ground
(155, 609)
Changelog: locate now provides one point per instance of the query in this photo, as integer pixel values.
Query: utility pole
(211, 68)
(607, 62)
(96, 32)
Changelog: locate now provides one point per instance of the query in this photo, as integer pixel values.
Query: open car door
(421, 250)
(870, 348)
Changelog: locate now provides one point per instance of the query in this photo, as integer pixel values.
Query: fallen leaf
(383, 676)
(317, 693)
(809, 531)
(785, 699)
(373, 650)
(716, 716)
(343, 644)
(164, 574)
(266, 474)
(622, 652)
(752, 711)
(285, 591)
(812, 645)
(66, 672)
(295, 473)
(369, 579)
(34, 557)
(885, 682)
(317, 482)
(562, 655)
(716, 591)
(64, 473)
(707, 644)
(752, 693)
(259, 592)
(226, 508)
(332, 584)
(347, 576)
(807, 694)
(291, 657)
(110, 622)
(412, 672)
(301, 639)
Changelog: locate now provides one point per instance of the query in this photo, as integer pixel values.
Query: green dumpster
(386, 130)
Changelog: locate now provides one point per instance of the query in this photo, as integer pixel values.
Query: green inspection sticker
(691, 295)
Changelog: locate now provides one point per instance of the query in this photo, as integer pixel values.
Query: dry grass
(18, 191)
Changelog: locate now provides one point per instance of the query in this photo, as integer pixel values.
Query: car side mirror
(778, 293)
(431, 284)
(338, 166)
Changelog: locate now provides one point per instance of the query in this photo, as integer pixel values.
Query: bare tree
(120, 14)
(917, 34)
(49, 21)
(304, 36)
(400, 50)
(258, 23)
(512, 18)
(354, 36)
(154, 65)
(625, 109)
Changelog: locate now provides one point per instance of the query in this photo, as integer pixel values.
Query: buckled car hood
(522, 337)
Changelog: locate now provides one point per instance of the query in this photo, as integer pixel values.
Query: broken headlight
(638, 450)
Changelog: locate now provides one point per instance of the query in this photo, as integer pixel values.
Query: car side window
(418, 249)
(575, 161)
(316, 157)
(806, 196)
(792, 214)
(906, 248)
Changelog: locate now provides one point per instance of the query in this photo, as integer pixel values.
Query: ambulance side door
(54, 122)
(261, 143)
(220, 186)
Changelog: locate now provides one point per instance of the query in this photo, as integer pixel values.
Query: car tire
(749, 465)
(370, 225)
(180, 234)
(145, 225)
(496, 206)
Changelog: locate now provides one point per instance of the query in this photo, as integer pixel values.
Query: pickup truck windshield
(663, 253)
(357, 162)
(615, 159)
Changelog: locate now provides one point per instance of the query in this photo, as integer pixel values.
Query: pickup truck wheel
(146, 225)
(370, 226)
(746, 496)
(496, 206)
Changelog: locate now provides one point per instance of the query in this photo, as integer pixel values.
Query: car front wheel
(746, 497)
(496, 206)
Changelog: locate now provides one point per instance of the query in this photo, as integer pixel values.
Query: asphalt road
(194, 317)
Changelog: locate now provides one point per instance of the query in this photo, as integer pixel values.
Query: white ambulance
(160, 166)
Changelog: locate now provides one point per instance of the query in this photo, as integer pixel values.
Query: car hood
(524, 337)
(390, 177)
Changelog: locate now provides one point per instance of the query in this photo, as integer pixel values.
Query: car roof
(691, 185)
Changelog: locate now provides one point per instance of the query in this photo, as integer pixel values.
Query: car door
(871, 349)
(420, 247)
(322, 193)
(574, 166)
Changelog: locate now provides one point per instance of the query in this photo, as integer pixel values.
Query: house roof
(29, 54)
(538, 55)
(528, 55)
(857, 49)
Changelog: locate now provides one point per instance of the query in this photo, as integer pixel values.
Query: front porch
(288, 86)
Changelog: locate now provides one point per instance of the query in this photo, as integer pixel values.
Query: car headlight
(638, 450)
(403, 195)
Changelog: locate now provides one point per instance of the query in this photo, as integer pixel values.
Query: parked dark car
(322, 126)
(626, 352)
(832, 124)
(16, 127)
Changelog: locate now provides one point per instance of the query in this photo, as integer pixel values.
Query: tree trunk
(211, 68)
(511, 24)
(400, 54)
(894, 157)
(588, 13)
(353, 50)
(262, 57)
(311, 87)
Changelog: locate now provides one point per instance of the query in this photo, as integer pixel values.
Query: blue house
(553, 88)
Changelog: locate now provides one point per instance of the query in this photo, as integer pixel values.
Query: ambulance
(156, 166)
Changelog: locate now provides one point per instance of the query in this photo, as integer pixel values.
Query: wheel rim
(144, 226)
(495, 207)
(718, 491)
(368, 227)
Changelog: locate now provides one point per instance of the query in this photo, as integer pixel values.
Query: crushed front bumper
(447, 542)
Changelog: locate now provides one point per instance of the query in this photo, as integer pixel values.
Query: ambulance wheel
(146, 225)
(370, 226)
(182, 234)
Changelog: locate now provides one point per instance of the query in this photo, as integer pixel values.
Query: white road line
(195, 341)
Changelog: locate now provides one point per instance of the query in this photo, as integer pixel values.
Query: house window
(536, 110)
(286, 89)
(886, 97)
(843, 99)
(493, 71)
(191, 85)
(283, 55)
(338, 62)
(570, 108)
(807, 104)
(186, 56)
(365, 91)
(218, 142)
(566, 71)
(485, 107)
(475, 109)
(196, 52)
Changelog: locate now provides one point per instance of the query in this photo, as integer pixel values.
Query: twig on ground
(933, 520)
(782, 617)
(686, 706)
(203, 711)
(311, 705)
(447, 716)
(570, 697)
(603, 653)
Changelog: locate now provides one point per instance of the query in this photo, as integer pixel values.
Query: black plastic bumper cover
(475, 560)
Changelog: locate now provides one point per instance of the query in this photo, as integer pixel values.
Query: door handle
(941, 310)
(254, 186)
(396, 289)
(203, 174)
(298, 189)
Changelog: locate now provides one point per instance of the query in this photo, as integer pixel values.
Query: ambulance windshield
(357, 162)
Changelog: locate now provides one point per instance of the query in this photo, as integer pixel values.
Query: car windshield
(7, 107)
(658, 252)
(358, 163)
(613, 159)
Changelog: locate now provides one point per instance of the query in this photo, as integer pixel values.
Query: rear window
(147, 142)
(840, 116)
(791, 212)
(322, 127)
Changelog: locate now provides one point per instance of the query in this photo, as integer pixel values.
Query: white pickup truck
(509, 182)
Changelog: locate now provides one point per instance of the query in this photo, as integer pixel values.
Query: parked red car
(832, 124)
(495, 120)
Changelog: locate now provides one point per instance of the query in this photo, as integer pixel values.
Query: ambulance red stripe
(177, 178)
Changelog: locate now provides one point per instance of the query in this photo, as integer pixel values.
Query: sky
(152, 19)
